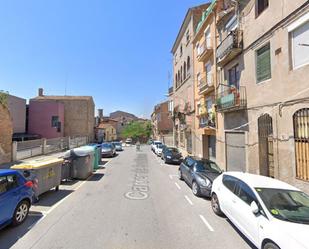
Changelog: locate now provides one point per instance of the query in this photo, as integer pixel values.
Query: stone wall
(6, 132)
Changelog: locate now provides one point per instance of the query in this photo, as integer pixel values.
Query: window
(245, 193)
(188, 36)
(232, 24)
(188, 64)
(208, 73)
(234, 76)
(12, 182)
(261, 5)
(207, 38)
(190, 162)
(54, 121)
(198, 49)
(263, 65)
(181, 74)
(180, 50)
(229, 182)
(184, 70)
(300, 45)
(3, 184)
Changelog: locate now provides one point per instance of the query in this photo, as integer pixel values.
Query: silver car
(108, 150)
(118, 146)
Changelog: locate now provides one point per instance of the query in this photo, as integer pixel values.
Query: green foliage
(137, 130)
(4, 98)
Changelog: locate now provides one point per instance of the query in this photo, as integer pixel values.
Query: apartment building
(183, 113)
(161, 121)
(263, 59)
(205, 80)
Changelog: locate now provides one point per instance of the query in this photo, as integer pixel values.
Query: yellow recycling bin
(44, 173)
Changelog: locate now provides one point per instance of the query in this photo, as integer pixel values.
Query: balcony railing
(206, 122)
(204, 49)
(231, 99)
(205, 84)
(229, 47)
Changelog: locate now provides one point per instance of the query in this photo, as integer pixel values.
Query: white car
(158, 149)
(270, 213)
(154, 145)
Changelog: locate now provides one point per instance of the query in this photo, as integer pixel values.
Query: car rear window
(229, 182)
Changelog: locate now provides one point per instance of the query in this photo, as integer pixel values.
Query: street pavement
(134, 202)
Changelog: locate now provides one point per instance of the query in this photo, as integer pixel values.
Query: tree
(137, 130)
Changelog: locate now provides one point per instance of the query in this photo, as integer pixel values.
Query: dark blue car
(15, 197)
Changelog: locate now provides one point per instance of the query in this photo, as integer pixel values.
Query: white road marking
(177, 185)
(171, 176)
(190, 202)
(206, 223)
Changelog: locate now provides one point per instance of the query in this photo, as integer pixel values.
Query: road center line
(206, 223)
(177, 185)
(190, 202)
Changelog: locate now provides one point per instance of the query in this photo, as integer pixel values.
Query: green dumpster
(97, 156)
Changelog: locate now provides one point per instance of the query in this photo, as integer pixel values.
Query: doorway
(266, 148)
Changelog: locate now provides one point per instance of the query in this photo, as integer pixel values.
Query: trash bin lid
(37, 164)
(84, 151)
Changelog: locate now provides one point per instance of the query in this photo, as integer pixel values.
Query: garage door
(235, 151)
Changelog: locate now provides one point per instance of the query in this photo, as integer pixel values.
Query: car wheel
(196, 189)
(21, 213)
(270, 245)
(180, 175)
(215, 205)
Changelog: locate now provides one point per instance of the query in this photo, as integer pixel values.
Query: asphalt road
(135, 202)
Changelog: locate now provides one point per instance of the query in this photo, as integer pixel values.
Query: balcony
(204, 50)
(231, 99)
(205, 85)
(229, 48)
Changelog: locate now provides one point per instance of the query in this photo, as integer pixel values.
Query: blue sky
(116, 51)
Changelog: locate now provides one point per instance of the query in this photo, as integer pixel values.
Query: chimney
(100, 113)
(40, 91)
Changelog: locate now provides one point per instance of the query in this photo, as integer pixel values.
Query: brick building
(162, 123)
(78, 114)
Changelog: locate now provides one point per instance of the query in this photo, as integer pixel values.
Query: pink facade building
(46, 118)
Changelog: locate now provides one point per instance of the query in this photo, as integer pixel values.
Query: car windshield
(160, 146)
(106, 146)
(288, 205)
(203, 165)
(173, 150)
(157, 143)
(117, 144)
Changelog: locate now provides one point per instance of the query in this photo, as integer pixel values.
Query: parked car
(158, 149)
(16, 196)
(108, 150)
(118, 146)
(154, 144)
(270, 213)
(199, 174)
(128, 141)
(171, 155)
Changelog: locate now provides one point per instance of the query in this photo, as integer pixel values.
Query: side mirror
(254, 207)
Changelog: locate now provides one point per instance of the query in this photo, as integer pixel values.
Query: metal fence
(26, 149)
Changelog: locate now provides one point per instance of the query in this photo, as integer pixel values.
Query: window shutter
(263, 66)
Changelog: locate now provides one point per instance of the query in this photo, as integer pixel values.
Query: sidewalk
(31, 159)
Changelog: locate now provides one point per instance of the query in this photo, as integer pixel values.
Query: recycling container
(44, 173)
(97, 155)
(82, 162)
